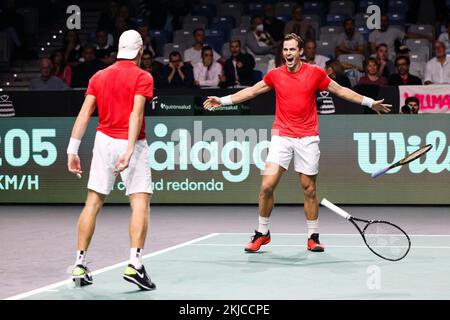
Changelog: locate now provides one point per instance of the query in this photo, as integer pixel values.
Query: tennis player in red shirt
(295, 133)
(119, 92)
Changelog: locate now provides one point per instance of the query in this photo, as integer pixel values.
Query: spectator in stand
(411, 106)
(445, 37)
(60, 69)
(207, 73)
(72, 48)
(386, 34)
(176, 73)
(258, 40)
(335, 70)
(387, 67)
(193, 55)
(403, 77)
(47, 82)
(149, 42)
(310, 54)
(372, 74)
(85, 70)
(104, 52)
(107, 20)
(437, 70)
(299, 25)
(272, 24)
(151, 66)
(390, 36)
(350, 41)
(238, 69)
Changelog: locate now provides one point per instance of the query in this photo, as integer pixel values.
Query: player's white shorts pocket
(106, 153)
(307, 155)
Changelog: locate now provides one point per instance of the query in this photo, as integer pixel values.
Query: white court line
(299, 245)
(69, 281)
(332, 234)
(51, 287)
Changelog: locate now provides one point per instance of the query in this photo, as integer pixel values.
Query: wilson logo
(435, 161)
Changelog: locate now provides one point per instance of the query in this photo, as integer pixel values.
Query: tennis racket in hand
(383, 238)
(413, 156)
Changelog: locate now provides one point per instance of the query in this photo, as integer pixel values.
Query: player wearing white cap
(119, 92)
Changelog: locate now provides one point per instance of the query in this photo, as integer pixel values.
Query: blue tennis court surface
(216, 267)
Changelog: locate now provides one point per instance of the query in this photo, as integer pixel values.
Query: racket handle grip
(335, 208)
(379, 172)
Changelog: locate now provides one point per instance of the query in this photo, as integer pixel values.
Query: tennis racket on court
(385, 239)
(413, 156)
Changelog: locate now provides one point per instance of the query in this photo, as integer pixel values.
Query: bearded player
(295, 133)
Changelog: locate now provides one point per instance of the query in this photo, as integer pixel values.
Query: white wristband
(74, 144)
(367, 102)
(226, 101)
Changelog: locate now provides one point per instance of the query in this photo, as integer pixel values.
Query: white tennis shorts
(137, 177)
(305, 152)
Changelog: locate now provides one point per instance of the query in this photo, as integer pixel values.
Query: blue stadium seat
(363, 4)
(396, 18)
(285, 18)
(214, 38)
(326, 48)
(394, 5)
(364, 32)
(344, 7)
(255, 8)
(314, 7)
(224, 24)
(284, 8)
(230, 9)
(161, 37)
(257, 75)
(169, 47)
(335, 19)
(204, 10)
(313, 18)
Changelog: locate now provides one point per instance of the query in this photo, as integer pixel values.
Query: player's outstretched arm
(243, 95)
(350, 95)
(79, 128)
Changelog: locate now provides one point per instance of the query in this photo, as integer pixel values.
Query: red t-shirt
(296, 114)
(114, 89)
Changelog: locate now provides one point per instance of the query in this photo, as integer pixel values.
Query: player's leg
(88, 218)
(140, 215)
(277, 162)
(306, 161)
(100, 184)
(138, 182)
(86, 227)
(271, 178)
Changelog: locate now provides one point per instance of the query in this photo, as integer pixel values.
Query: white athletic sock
(263, 225)
(136, 257)
(81, 258)
(313, 227)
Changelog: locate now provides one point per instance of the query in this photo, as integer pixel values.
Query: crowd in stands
(191, 45)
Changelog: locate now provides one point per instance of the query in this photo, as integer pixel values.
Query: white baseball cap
(130, 42)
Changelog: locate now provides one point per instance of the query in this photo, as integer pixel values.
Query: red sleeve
(91, 86)
(268, 78)
(323, 79)
(144, 85)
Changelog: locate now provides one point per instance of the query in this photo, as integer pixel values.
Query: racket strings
(387, 240)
